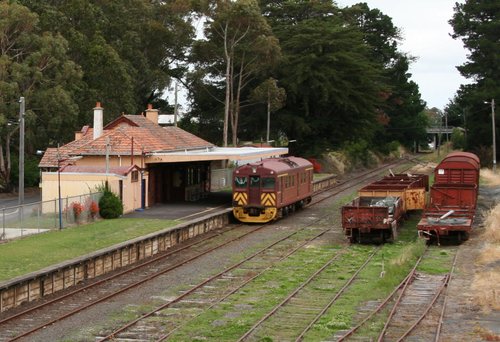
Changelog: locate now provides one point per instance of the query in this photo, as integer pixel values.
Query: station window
(240, 182)
(268, 183)
(134, 176)
(254, 181)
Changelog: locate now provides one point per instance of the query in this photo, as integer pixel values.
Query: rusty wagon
(453, 198)
(381, 207)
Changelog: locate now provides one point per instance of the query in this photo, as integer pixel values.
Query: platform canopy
(236, 154)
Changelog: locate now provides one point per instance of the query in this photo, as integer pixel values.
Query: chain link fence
(39, 217)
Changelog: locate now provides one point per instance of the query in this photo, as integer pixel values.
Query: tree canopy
(33, 64)
(323, 76)
(477, 24)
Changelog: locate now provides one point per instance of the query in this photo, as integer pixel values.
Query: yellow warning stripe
(268, 199)
(240, 197)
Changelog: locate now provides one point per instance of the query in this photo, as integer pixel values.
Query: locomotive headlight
(254, 169)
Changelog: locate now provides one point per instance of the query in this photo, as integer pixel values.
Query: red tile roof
(147, 136)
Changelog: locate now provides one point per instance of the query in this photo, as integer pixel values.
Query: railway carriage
(269, 189)
(453, 198)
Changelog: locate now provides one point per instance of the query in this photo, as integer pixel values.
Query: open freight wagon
(368, 219)
(412, 193)
(382, 206)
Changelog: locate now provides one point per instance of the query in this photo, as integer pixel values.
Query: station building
(143, 162)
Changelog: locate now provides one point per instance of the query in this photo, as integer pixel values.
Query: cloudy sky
(426, 34)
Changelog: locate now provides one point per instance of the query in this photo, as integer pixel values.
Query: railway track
(15, 326)
(209, 292)
(302, 308)
(418, 306)
(194, 300)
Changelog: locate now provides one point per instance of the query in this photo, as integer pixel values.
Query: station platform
(185, 210)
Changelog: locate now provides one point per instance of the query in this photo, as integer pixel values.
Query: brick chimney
(152, 114)
(98, 112)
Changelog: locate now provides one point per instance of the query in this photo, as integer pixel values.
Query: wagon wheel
(354, 238)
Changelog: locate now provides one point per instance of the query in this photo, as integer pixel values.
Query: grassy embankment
(486, 281)
(38, 251)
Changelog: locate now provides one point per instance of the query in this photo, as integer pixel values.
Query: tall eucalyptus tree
(239, 45)
(33, 64)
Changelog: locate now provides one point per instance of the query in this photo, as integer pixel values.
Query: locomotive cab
(254, 196)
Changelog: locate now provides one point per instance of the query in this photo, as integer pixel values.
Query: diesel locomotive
(271, 188)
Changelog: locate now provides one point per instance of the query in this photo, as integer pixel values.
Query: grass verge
(35, 252)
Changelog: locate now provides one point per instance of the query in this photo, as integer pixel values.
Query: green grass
(239, 312)
(319, 176)
(35, 252)
(408, 232)
(395, 260)
(438, 261)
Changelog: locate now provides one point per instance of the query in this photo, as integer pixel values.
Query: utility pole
(107, 157)
(59, 187)
(494, 139)
(21, 150)
(465, 125)
(268, 114)
(446, 126)
(175, 106)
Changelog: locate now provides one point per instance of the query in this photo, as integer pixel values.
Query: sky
(426, 36)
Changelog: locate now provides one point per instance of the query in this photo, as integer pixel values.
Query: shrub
(93, 209)
(110, 206)
(77, 209)
(457, 139)
(358, 152)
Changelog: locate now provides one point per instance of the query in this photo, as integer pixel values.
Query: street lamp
(21, 150)
(493, 132)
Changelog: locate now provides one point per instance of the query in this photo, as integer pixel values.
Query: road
(8, 200)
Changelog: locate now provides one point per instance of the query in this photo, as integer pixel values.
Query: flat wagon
(450, 222)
